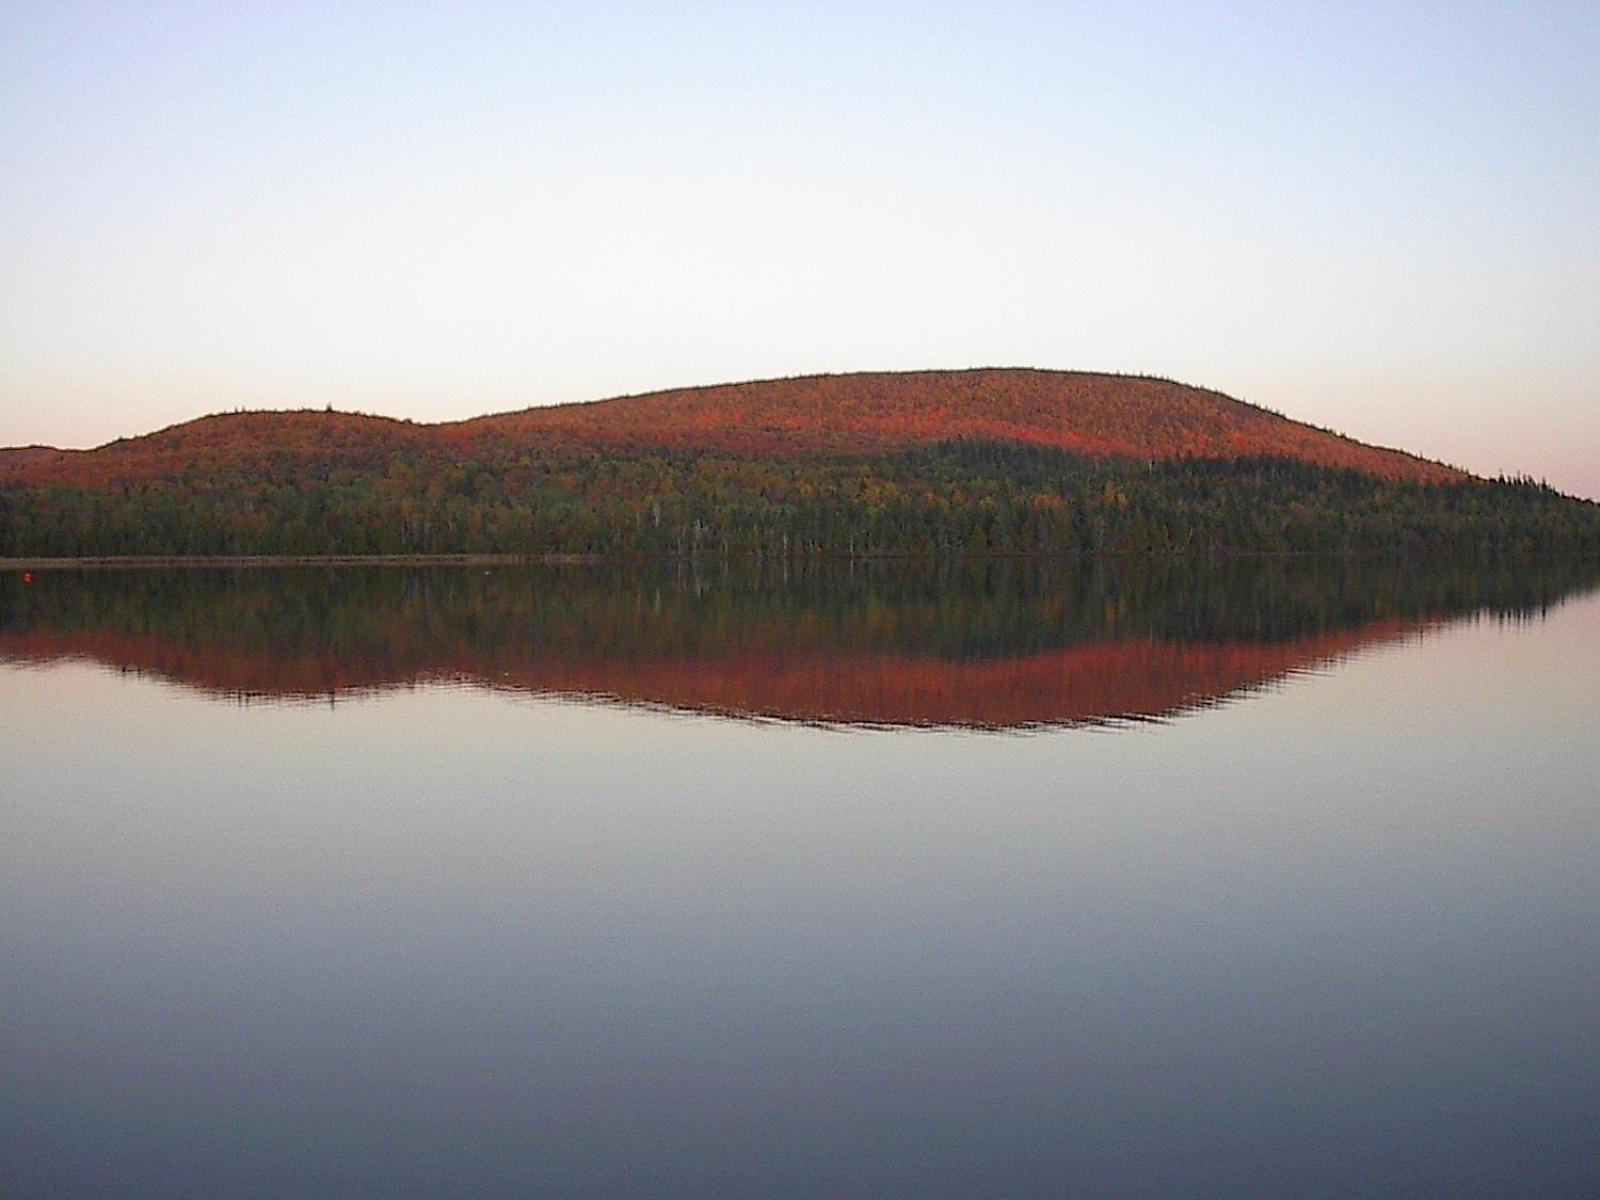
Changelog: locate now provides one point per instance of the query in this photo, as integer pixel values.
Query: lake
(1235, 878)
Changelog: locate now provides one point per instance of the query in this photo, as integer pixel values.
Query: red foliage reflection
(1087, 683)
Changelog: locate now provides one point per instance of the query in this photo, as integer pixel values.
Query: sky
(1378, 218)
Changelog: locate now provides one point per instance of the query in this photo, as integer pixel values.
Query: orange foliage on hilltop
(847, 415)
(1083, 413)
(280, 447)
(14, 456)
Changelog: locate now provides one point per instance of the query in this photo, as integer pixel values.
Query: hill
(11, 456)
(863, 415)
(942, 464)
(1076, 412)
(244, 445)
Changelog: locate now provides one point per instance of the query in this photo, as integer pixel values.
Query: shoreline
(245, 561)
(296, 560)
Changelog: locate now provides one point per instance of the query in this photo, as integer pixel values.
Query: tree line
(956, 499)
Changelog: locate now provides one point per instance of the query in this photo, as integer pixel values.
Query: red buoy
(27, 577)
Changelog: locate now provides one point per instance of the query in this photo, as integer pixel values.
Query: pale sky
(1376, 218)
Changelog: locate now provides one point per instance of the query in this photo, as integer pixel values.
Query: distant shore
(294, 560)
(135, 562)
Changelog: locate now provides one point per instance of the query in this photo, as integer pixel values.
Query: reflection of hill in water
(1093, 682)
(997, 646)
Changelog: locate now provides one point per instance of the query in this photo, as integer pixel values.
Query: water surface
(1236, 879)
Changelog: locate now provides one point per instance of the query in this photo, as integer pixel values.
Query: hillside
(13, 456)
(864, 415)
(927, 464)
(251, 445)
(1076, 412)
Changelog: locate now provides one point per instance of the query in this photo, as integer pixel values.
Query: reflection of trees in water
(994, 643)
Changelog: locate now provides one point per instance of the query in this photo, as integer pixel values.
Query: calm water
(1271, 879)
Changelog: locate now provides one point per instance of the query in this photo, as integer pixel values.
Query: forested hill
(921, 463)
(1076, 412)
(1092, 415)
(14, 456)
